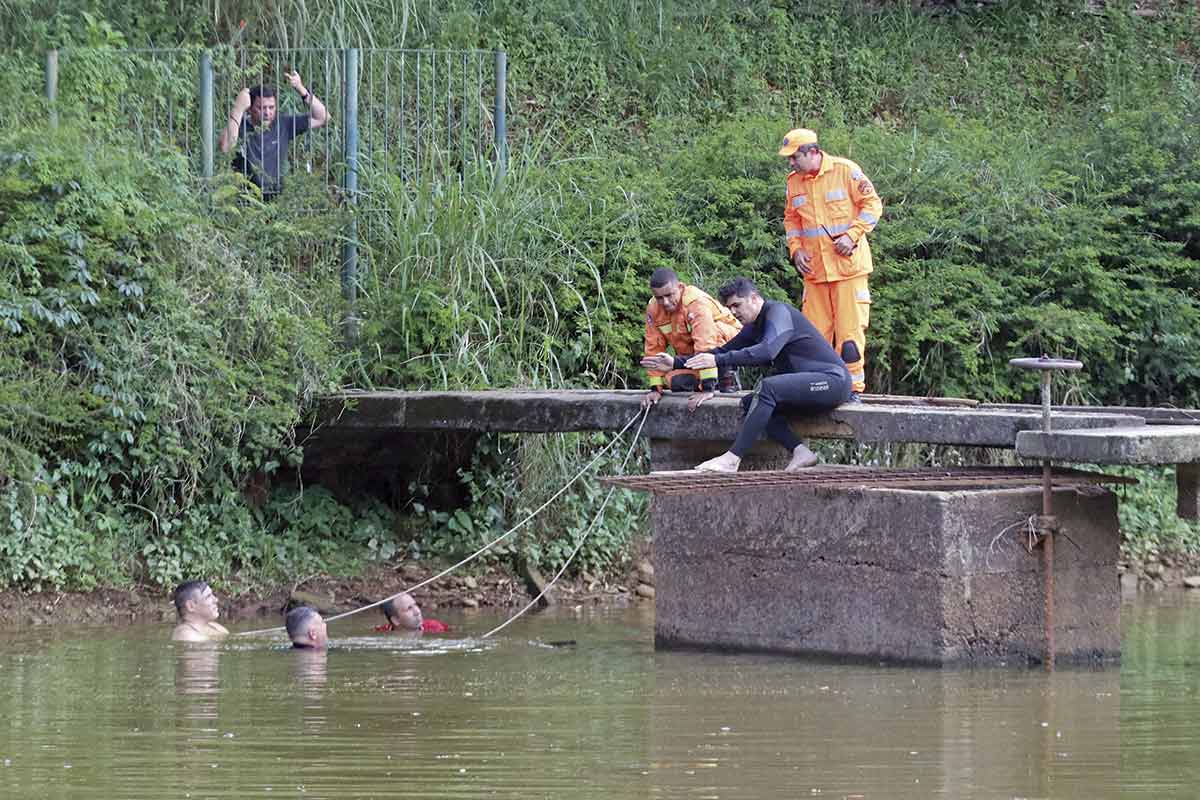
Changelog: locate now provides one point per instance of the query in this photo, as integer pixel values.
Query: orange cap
(795, 139)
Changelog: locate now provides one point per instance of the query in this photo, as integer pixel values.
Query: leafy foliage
(1038, 166)
(508, 480)
(153, 368)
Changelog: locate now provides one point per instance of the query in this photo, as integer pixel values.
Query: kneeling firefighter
(687, 320)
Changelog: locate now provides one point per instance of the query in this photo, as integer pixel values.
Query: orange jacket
(843, 200)
(699, 323)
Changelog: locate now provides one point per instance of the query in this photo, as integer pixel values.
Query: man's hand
(803, 262)
(293, 78)
(651, 398)
(844, 245)
(241, 103)
(661, 362)
(701, 361)
(697, 398)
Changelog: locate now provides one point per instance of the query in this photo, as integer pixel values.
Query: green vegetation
(1038, 166)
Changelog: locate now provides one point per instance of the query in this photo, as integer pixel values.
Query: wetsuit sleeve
(655, 342)
(776, 333)
(866, 201)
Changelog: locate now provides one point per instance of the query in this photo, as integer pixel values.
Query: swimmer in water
(197, 608)
(404, 615)
(306, 628)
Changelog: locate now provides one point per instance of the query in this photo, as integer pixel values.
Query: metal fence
(399, 120)
(422, 115)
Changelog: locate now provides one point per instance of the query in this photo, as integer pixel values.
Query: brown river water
(124, 713)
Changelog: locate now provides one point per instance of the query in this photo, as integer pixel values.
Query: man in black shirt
(808, 375)
(262, 155)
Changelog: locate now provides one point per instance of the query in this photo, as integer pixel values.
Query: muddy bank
(499, 588)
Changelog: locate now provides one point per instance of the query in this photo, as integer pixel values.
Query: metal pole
(1047, 524)
(206, 115)
(501, 120)
(52, 86)
(1047, 531)
(350, 185)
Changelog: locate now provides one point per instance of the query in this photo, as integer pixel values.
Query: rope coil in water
(643, 414)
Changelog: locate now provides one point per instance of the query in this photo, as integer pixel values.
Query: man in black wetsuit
(808, 375)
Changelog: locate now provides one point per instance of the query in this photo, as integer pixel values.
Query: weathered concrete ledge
(1154, 415)
(580, 410)
(926, 576)
(1140, 444)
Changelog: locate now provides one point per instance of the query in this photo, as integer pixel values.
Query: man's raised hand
(242, 102)
(293, 78)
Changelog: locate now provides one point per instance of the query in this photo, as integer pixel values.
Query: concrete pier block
(924, 576)
(1187, 491)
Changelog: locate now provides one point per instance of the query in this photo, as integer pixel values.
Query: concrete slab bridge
(931, 566)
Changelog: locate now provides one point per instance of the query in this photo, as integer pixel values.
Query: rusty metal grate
(691, 481)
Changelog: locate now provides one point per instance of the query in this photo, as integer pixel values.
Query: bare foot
(726, 462)
(801, 457)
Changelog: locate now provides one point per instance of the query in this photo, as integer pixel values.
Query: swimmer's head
(195, 600)
(403, 612)
(306, 628)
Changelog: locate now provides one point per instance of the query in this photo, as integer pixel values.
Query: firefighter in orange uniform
(689, 321)
(831, 207)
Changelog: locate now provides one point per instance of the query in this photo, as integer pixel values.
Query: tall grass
(474, 283)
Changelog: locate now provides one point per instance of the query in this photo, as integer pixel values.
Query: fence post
(52, 86)
(350, 185)
(206, 115)
(501, 120)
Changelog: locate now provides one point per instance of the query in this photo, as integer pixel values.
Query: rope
(483, 549)
(587, 532)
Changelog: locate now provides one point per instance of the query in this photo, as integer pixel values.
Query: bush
(151, 370)
(1038, 167)
(512, 476)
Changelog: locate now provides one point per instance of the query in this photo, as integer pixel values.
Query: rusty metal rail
(691, 481)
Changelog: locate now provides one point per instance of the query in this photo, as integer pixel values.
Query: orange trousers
(841, 311)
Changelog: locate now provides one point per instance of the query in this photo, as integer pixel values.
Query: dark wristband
(708, 385)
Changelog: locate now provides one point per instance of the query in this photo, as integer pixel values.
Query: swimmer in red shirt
(404, 615)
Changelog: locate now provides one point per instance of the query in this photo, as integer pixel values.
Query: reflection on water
(126, 713)
(196, 669)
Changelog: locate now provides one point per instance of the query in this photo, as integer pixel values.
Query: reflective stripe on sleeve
(706, 374)
(668, 328)
(868, 217)
(797, 201)
(656, 380)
